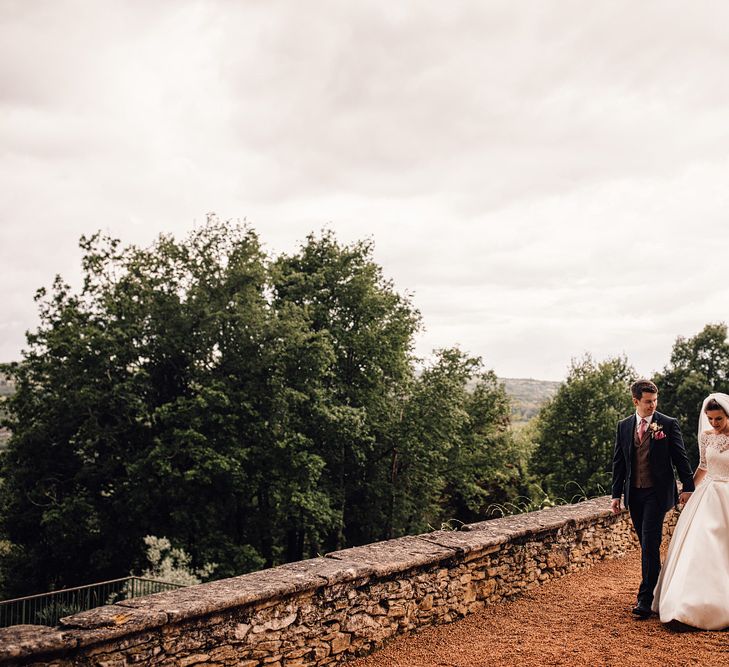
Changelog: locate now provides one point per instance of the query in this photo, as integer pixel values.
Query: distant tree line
(251, 410)
(574, 432)
(528, 396)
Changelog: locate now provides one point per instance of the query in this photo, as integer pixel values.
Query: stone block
(426, 603)
(275, 623)
(196, 659)
(340, 643)
(396, 556)
(361, 625)
(20, 641)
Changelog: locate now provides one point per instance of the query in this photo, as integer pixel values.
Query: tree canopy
(251, 410)
(576, 428)
(699, 365)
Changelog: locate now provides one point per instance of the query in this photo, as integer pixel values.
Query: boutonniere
(656, 430)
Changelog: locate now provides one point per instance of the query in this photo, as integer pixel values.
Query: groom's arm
(679, 458)
(618, 472)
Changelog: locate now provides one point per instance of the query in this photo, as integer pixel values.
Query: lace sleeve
(702, 451)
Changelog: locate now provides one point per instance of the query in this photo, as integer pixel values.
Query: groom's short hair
(642, 385)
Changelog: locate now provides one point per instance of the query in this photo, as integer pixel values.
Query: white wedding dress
(693, 586)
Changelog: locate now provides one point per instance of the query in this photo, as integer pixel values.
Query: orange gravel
(580, 619)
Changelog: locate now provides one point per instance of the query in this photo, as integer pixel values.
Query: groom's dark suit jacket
(663, 454)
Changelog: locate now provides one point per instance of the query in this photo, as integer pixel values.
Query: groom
(647, 446)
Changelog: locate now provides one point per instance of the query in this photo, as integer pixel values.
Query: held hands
(684, 497)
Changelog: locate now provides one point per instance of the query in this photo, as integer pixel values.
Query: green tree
(494, 465)
(427, 444)
(699, 365)
(172, 564)
(576, 428)
(253, 411)
(342, 292)
(126, 420)
(453, 453)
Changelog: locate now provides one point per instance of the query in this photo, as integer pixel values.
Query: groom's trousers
(647, 516)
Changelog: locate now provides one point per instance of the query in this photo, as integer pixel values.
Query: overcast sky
(547, 178)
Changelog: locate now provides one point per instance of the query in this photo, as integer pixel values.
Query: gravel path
(581, 619)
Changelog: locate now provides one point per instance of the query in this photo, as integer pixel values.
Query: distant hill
(528, 395)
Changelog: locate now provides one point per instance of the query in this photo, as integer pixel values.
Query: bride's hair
(713, 404)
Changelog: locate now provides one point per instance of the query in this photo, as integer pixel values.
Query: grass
(523, 504)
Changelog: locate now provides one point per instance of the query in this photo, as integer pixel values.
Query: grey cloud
(506, 159)
(418, 103)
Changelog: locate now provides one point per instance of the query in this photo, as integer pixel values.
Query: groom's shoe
(641, 611)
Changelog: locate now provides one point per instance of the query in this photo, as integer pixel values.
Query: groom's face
(646, 405)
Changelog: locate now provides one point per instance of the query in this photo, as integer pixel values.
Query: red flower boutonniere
(656, 430)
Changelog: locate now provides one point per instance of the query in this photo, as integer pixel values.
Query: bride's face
(717, 419)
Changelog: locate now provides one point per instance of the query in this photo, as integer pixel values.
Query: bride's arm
(700, 472)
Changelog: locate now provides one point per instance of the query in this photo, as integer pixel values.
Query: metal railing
(48, 608)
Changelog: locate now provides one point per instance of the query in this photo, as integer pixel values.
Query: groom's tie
(641, 429)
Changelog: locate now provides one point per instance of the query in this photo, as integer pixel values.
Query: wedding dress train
(693, 586)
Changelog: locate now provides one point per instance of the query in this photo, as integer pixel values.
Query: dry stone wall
(325, 610)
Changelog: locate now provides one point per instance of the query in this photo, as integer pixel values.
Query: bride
(693, 586)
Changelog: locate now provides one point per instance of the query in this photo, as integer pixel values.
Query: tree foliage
(172, 564)
(699, 365)
(453, 454)
(252, 410)
(576, 428)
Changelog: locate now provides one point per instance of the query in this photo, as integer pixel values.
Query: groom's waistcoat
(642, 477)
